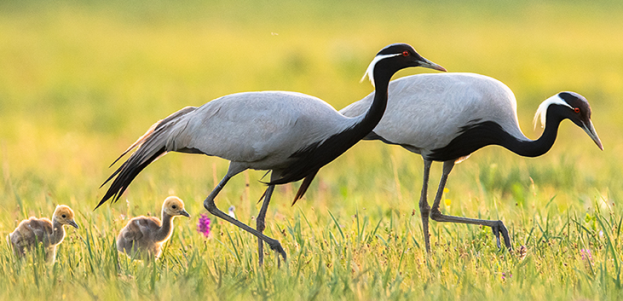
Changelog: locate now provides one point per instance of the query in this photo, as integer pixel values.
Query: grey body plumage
(426, 111)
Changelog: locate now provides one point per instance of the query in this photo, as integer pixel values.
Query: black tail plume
(303, 188)
(126, 174)
(150, 146)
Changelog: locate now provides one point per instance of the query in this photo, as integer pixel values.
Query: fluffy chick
(143, 236)
(31, 231)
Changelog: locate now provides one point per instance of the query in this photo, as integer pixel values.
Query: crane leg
(211, 207)
(424, 207)
(260, 225)
(496, 226)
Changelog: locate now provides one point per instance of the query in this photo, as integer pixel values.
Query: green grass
(81, 80)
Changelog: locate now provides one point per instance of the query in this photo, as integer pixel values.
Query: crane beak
(590, 130)
(184, 213)
(428, 64)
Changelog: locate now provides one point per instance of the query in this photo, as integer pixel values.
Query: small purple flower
(203, 226)
(504, 276)
(586, 254)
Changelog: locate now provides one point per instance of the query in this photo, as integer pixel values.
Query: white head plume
(370, 71)
(542, 110)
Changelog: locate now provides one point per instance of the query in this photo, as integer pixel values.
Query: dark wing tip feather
(263, 194)
(114, 174)
(142, 157)
(99, 204)
(121, 156)
(156, 126)
(139, 141)
(304, 186)
(125, 175)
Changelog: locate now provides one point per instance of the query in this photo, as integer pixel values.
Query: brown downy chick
(41, 230)
(143, 236)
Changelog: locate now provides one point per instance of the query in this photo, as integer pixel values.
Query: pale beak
(590, 130)
(184, 213)
(73, 224)
(428, 64)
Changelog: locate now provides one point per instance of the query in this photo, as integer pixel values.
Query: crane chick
(143, 236)
(32, 231)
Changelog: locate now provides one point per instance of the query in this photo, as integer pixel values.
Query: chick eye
(174, 207)
(577, 110)
(405, 53)
(64, 216)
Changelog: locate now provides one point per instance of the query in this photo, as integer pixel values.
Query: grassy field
(81, 80)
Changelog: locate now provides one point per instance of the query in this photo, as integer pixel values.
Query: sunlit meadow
(81, 80)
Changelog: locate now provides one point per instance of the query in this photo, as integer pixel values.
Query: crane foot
(500, 228)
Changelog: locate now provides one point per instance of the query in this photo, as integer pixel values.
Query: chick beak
(73, 224)
(590, 130)
(184, 213)
(428, 64)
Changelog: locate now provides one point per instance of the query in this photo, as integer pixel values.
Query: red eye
(405, 53)
(577, 110)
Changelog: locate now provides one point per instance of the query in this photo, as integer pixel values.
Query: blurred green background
(81, 80)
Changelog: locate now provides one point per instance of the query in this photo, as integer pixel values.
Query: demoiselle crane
(446, 117)
(291, 134)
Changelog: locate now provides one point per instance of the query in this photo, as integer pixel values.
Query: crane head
(573, 106)
(398, 56)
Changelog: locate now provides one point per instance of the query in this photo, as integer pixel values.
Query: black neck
(535, 148)
(481, 134)
(379, 103)
(311, 158)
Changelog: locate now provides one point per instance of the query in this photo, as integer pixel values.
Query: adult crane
(446, 117)
(291, 134)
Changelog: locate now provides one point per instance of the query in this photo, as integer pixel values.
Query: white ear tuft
(370, 71)
(542, 110)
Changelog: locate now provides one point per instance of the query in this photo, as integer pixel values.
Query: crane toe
(498, 228)
(276, 246)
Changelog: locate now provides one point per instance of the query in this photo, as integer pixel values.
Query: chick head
(65, 216)
(174, 206)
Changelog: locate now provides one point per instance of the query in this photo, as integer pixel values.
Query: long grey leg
(211, 207)
(424, 207)
(496, 226)
(260, 225)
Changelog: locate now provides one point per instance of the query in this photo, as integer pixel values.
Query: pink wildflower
(586, 254)
(504, 276)
(203, 226)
